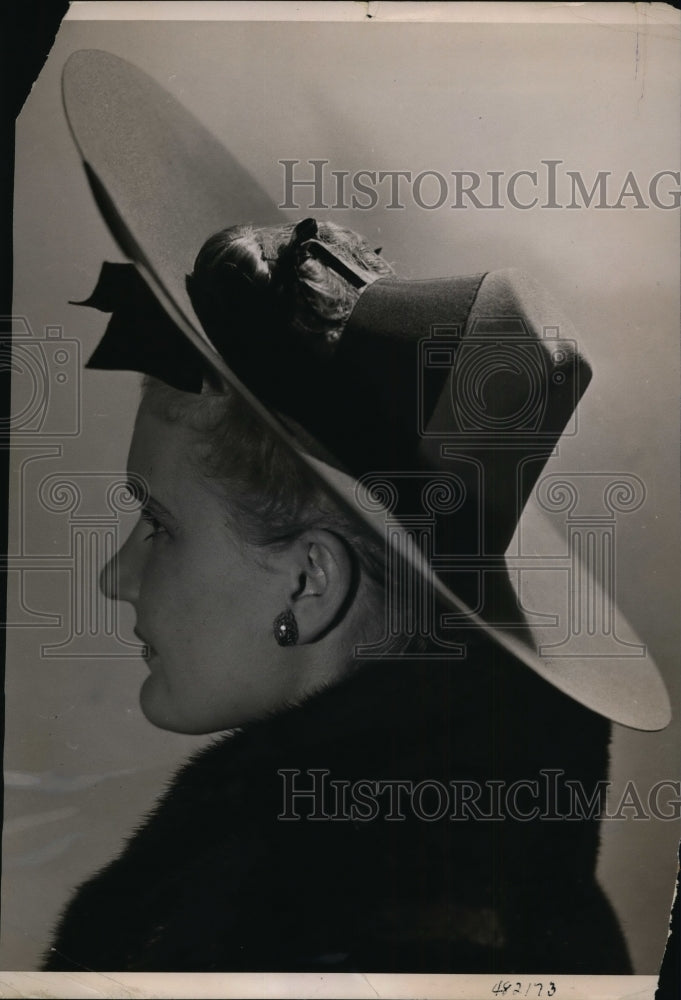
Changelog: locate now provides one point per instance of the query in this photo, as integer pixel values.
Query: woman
(331, 462)
(311, 837)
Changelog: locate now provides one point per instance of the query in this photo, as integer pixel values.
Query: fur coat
(234, 872)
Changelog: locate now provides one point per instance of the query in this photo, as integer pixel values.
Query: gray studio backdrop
(82, 765)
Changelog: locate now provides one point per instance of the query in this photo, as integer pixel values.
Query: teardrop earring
(285, 628)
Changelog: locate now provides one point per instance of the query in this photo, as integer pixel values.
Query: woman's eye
(153, 522)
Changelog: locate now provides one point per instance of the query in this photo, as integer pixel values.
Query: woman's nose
(120, 578)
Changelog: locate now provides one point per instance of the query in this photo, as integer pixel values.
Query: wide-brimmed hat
(432, 418)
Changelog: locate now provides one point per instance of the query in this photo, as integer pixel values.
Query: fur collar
(229, 874)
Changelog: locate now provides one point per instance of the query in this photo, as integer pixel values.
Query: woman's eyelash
(156, 527)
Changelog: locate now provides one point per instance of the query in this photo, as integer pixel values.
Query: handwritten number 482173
(524, 989)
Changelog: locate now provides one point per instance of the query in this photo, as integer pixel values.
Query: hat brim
(164, 184)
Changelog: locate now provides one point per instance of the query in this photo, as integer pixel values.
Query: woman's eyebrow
(136, 488)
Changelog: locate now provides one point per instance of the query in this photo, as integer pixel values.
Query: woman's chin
(177, 715)
(158, 708)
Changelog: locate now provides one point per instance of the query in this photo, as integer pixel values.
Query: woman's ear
(323, 582)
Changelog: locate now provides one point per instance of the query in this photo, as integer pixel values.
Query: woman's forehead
(160, 447)
(170, 452)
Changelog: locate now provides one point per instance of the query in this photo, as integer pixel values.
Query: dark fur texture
(214, 881)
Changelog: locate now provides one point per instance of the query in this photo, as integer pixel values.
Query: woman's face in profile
(204, 600)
